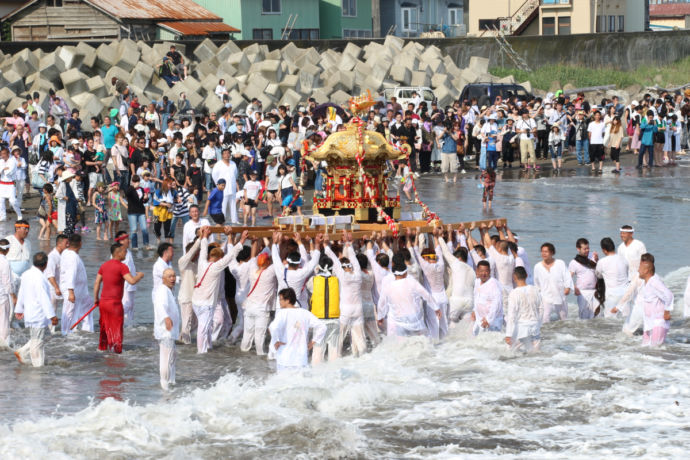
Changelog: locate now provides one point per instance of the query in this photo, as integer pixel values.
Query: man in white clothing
(8, 167)
(193, 224)
(552, 278)
(74, 284)
(462, 281)
(400, 304)
(52, 271)
(165, 255)
(211, 267)
(290, 332)
(582, 269)
(258, 302)
(289, 273)
(36, 309)
(226, 169)
(524, 314)
(166, 326)
(19, 254)
(613, 269)
(7, 297)
(656, 301)
(631, 249)
(188, 267)
(488, 301)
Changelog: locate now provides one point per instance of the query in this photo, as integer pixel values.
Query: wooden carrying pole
(357, 230)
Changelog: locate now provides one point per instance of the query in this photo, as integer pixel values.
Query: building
(269, 19)
(555, 17)
(345, 18)
(113, 19)
(669, 14)
(413, 18)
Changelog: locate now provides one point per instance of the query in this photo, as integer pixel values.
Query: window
(621, 23)
(302, 34)
(356, 33)
(564, 25)
(54, 3)
(548, 26)
(409, 19)
(454, 16)
(270, 7)
(262, 34)
(612, 24)
(489, 24)
(600, 23)
(350, 8)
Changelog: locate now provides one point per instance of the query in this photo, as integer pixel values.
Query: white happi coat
(291, 326)
(7, 189)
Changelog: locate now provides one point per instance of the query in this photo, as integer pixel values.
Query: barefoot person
(36, 309)
(166, 326)
(7, 296)
(552, 278)
(113, 275)
(73, 285)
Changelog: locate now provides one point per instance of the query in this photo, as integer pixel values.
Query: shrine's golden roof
(342, 145)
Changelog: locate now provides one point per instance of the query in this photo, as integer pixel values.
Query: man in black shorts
(251, 190)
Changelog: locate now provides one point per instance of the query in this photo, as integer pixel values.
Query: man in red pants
(113, 275)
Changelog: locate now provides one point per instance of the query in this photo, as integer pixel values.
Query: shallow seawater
(591, 391)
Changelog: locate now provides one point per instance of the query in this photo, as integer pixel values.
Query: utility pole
(376, 18)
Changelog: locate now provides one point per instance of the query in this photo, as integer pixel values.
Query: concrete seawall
(623, 51)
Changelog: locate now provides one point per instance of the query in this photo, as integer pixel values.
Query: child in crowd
(148, 185)
(101, 214)
(488, 179)
(556, 139)
(406, 180)
(114, 210)
(45, 212)
(251, 196)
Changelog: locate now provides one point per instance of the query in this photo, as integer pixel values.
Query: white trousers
(187, 322)
(459, 306)
(35, 347)
(5, 320)
(128, 306)
(222, 321)
(15, 205)
(635, 319)
(330, 341)
(72, 311)
(167, 362)
(560, 309)
(356, 330)
(254, 330)
(586, 304)
(204, 331)
(230, 207)
(238, 327)
(19, 187)
(371, 328)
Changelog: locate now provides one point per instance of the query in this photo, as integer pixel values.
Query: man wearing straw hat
(8, 166)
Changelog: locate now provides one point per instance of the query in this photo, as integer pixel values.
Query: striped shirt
(181, 206)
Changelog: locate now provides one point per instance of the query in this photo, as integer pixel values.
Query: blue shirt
(109, 135)
(215, 202)
(449, 144)
(647, 130)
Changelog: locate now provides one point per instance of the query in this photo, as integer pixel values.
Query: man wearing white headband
(289, 274)
(631, 250)
(6, 291)
(19, 254)
(400, 303)
(434, 270)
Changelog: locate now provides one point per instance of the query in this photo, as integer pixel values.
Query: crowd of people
(330, 294)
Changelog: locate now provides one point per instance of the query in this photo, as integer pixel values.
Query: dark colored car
(486, 92)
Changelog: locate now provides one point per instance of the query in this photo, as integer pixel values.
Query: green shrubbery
(675, 74)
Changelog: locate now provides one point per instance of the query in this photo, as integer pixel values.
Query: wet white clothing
(53, 270)
(189, 231)
(630, 308)
(208, 285)
(7, 188)
(295, 279)
(19, 255)
(164, 306)
(585, 277)
(522, 254)
(188, 268)
(35, 347)
(73, 276)
(257, 306)
(167, 361)
(462, 284)
(476, 258)
(655, 299)
(553, 283)
(400, 303)
(686, 300)
(379, 273)
(33, 299)
(488, 304)
(613, 270)
(158, 268)
(505, 266)
(130, 289)
(434, 274)
(291, 326)
(7, 288)
(632, 253)
(524, 314)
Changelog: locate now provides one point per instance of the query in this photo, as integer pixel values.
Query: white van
(404, 94)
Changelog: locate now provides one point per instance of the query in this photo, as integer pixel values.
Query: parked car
(486, 92)
(404, 94)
